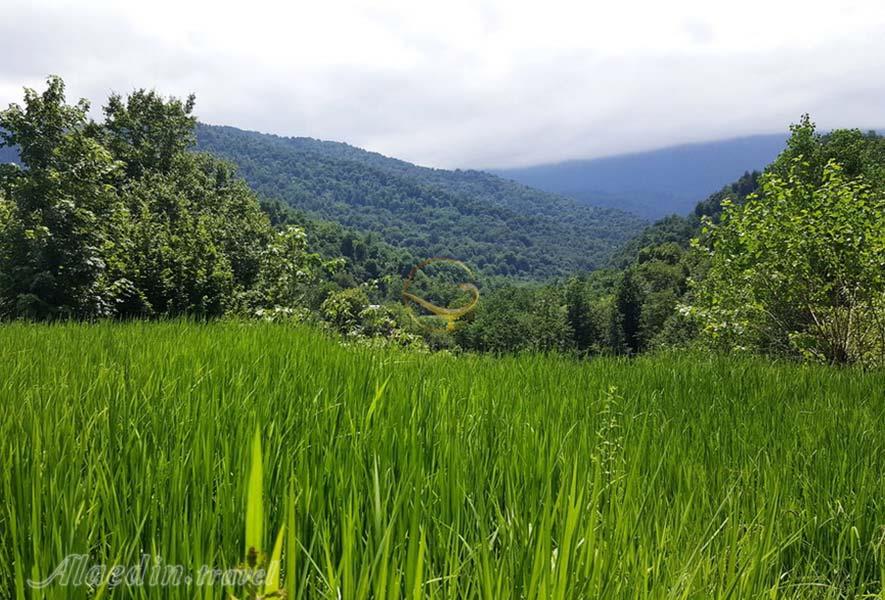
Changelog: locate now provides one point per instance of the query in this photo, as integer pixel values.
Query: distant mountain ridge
(499, 226)
(656, 183)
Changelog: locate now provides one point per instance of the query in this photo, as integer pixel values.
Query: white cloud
(467, 83)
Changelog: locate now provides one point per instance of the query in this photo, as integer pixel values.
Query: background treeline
(122, 219)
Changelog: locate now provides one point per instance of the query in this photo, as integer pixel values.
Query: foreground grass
(435, 476)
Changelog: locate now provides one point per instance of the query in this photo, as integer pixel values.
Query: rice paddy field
(402, 475)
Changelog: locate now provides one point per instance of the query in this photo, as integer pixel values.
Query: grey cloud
(446, 110)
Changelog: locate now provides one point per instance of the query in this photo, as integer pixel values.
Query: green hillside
(498, 226)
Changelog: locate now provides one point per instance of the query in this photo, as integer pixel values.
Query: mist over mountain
(657, 183)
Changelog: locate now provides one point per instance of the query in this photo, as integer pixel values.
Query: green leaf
(254, 498)
(379, 393)
(291, 547)
(272, 581)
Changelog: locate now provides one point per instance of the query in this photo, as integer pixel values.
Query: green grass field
(463, 477)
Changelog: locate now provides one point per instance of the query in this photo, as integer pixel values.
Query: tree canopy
(800, 267)
(120, 219)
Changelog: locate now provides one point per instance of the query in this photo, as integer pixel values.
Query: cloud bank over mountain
(471, 84)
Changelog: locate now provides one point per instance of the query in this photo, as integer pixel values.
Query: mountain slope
(657, 183)
(499, 226)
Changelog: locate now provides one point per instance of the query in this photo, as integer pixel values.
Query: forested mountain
(498, 226)
(657, 183)
(680, 230)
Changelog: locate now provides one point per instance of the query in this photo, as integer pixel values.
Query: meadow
(401, 474)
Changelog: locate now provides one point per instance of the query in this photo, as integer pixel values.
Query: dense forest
(123, 219)
(497, 226)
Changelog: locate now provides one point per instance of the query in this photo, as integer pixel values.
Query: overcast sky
(469, 84)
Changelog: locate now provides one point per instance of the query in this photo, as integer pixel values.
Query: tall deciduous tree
(800, 268)
(120, 218)
(64, 227)
(626, 320)
(579, 315)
